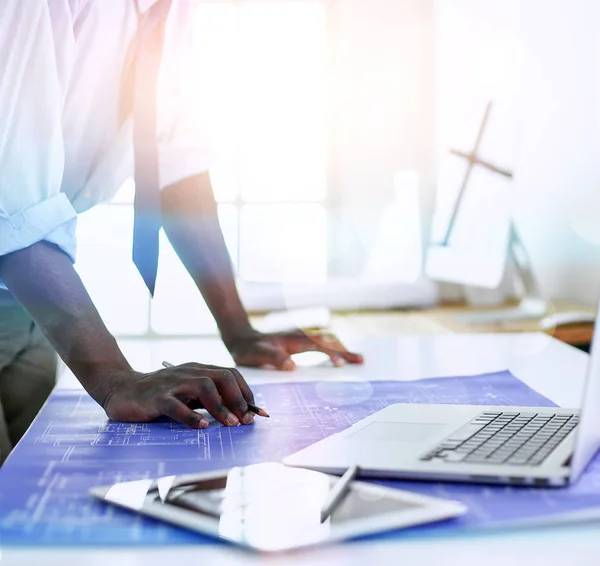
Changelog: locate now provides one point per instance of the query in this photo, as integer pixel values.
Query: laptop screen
(587, 439)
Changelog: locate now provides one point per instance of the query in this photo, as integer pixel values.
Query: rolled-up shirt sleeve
(183, 141)
(51, 219)
(32, 208)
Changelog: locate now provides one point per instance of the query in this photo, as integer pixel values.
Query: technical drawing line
(72, 447)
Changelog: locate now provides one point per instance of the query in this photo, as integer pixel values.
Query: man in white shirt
(66, 144)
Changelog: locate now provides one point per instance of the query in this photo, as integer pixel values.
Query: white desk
(553, 368)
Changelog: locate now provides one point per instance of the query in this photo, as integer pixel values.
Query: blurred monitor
(471, 224)
(472, 232)
(470, 236)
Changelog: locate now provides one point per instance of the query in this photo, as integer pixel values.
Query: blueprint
(72, 447)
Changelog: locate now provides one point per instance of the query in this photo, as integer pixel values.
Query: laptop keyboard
(520, 439)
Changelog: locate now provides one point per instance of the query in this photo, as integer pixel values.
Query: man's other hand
(175, 391)
(275, 349)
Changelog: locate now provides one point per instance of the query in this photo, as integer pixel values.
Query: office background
(310, 137)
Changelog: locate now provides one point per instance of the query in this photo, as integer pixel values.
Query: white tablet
(270, 507)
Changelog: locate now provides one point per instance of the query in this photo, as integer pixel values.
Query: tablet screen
(263, 506)
(248, 492)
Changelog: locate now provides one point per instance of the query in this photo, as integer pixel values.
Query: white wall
(476, 52)
(556, 71)
(558, 181)
(382, 107)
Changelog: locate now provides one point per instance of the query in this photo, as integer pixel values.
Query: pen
(256, 410)
(339, 491)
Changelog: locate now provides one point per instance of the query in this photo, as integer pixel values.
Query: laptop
(469, 443)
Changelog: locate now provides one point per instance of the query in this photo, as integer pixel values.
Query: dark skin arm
(45, 282)
(190, 220)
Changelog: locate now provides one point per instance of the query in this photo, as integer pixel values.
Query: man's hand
(175, 391)
(257, 349)
(191, 222)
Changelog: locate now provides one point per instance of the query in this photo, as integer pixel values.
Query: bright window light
(261, 72)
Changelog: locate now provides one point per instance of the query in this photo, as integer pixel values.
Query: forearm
(45, 282)
(190, 220)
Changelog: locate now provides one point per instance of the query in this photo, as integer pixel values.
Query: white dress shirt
(64, 142)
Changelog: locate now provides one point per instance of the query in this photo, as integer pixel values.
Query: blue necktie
(147, 207)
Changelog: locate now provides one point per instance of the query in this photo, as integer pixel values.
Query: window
(265, 67)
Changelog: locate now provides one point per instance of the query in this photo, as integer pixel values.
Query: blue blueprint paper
(72, 447)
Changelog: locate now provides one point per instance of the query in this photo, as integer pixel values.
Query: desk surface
(447, 319)
(553, 368)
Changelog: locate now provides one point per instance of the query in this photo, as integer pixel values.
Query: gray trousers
(27, 372)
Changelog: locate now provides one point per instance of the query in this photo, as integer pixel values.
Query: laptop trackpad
(380, 431)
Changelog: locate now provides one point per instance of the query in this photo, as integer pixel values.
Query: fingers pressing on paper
(321, 342)
(180, 412)
(176, 391)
